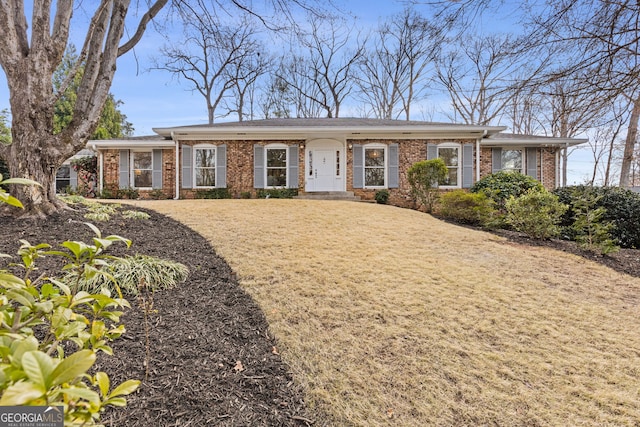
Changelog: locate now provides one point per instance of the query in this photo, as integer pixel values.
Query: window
(204, 166)
(142, 168)
(276, 167)
(451, 157)
(63, 178)
(374, 167)
(512, 160)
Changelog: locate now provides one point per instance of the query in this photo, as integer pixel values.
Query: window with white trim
(276, 166)
(512, 160)
(450, 154)
(204, 166)
(142, 169)
(375, 166)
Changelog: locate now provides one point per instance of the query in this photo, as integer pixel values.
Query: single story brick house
(322, 156)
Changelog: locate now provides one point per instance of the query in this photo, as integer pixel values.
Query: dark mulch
(212, 360)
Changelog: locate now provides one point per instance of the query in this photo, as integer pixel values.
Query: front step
(329, 195)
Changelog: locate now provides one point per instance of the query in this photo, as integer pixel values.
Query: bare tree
(478, 75)
(393, 71)
(243, 75)
(29, 57)
(211, 56)
(322, 71)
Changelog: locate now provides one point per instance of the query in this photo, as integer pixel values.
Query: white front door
(324, 166)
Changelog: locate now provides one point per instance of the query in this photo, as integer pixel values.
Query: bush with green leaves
(467, 208)
(213, 193)
(537, 213)
(424, 178)
(277, 193)
(382, 196)
(128, 273)
(622, 208)
(500, 186)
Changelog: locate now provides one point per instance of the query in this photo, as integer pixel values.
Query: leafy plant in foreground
(51, 367)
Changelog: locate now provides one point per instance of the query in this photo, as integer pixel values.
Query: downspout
(177, 189)
(100, 168)
(542, 166)
(484, 133)
(557, 167)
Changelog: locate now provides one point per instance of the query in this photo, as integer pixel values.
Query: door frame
(325, 144)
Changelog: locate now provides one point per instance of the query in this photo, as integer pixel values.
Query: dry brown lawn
(388, 316)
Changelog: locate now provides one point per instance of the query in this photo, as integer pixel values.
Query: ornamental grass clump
(135, 215)
(128, 272)
(536, 213)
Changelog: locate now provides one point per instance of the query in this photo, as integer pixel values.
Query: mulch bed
(211, 358)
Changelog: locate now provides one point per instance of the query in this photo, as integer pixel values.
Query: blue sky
(155, 99)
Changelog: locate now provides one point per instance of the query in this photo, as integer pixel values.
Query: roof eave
(105, 144)
(520, 142)
(352, 132)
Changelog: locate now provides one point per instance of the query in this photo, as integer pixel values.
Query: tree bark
(629, 145)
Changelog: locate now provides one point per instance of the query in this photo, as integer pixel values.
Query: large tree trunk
(29, 57)
(629, 145)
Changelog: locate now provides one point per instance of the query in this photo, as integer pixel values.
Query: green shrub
(157, 194)
(73, 198)
(382, 196)
(622, 208)
(277, 193)
(424, 178)
(130, 272)
(213, 193)
(128, 193)
(467, 208)
(500, 186)
(591, 232)
(245, 195)
(536, 213)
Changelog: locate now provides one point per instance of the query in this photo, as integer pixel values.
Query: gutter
(177, 189)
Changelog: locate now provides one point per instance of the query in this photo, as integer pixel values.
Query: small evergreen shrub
(213, 193)
(591, 233)
(245, 195)
(536, 213)
(382, 196)
(467, 208)
(157, 194)
(424, 177)
(277, 193)
(622, 208)
(128, 193)
(500, 186)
